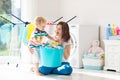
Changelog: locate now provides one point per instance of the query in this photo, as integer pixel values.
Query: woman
(62, 35)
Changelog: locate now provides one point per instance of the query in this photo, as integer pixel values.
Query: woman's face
(58, 30)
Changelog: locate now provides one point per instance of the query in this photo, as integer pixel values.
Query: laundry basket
(51, 57)
(93, 63)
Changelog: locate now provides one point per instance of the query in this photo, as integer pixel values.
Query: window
(9, 42)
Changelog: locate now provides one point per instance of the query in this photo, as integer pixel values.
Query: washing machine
(81, 39)
(74, 58)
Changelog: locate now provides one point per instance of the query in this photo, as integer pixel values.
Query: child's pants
(35, 56)
(64, 69)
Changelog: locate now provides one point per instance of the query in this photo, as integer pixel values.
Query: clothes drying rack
(26, 23)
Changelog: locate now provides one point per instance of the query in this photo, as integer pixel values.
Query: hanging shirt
(5, 33)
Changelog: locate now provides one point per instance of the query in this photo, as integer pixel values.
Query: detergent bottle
(117, 31)
(113, 30)
(108, 32)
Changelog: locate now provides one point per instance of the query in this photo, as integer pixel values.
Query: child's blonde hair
(40, 20)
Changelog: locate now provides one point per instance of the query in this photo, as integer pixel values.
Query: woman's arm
(67, 51)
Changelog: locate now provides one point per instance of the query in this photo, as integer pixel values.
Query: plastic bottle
(113, 30)
(117, 31)
(108, 32)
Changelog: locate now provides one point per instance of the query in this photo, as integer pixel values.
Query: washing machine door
(73, 44)
(74, 53)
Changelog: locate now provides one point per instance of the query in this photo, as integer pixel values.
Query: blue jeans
(64, 69)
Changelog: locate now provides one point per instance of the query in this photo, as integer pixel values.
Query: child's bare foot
(32, 69)
(36, 71)
(39, 74)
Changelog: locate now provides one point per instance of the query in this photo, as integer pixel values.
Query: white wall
(33, 8)
(99, 12)
(88, 12)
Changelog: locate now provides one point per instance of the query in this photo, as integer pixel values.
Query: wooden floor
(12, 73)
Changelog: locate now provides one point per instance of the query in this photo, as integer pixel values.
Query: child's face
(41, 27)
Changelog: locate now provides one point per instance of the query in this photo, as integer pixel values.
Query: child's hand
(31, 50)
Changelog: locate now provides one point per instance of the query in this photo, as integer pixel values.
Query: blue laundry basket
(51, 57)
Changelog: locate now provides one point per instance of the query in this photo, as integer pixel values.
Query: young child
(36, 40)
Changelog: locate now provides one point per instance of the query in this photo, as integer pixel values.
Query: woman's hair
(40, 20)
(65, 31)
